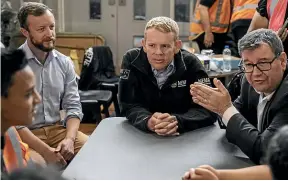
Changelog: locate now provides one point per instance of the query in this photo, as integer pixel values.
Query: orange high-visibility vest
(219, 15)
(276, 18)
(15, 152)
(243, 9)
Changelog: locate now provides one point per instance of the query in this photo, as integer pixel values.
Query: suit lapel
(253, 98)
(275, 100)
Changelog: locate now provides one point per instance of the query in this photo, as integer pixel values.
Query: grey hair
(256, 38)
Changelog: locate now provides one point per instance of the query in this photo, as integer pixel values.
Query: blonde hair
(163, 24)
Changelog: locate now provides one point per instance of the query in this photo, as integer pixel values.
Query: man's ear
(24, 32)
(283, 58)
(178, 44)
(143, 45)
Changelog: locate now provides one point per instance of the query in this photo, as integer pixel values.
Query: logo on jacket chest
(204, 81)
(180, 83)
(124, 73)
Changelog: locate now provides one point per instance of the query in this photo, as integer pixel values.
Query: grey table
(117, 150)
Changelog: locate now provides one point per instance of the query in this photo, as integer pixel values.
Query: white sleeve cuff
(231, 111)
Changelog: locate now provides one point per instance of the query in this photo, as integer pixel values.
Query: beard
(40, 45)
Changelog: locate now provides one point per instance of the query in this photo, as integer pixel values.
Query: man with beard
(57, 141)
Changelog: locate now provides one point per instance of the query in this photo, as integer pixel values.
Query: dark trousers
(239, 32)
(217, 46)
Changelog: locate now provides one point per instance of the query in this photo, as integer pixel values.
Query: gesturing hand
(216, 99)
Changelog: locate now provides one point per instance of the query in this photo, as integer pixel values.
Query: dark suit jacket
(242, 128)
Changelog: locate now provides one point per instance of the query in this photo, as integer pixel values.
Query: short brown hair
(163, 24)
(31, 8)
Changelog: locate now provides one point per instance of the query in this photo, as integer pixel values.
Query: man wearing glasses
(262, 107)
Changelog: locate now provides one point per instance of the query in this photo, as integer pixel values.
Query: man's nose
(49, 32)
(256, 71)
(158, 50)
(37, 98)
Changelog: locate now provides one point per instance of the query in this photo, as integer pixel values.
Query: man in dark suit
(276, 168)
(262, 107)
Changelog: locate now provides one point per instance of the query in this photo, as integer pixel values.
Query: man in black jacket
(262, 107)
(154, 83)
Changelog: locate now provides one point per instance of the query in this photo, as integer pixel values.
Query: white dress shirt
(231, 111)
(56, 83)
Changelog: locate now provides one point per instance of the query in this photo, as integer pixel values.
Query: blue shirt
(162, 76)
(56, 83)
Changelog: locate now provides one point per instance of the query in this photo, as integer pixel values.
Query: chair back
(98, 67)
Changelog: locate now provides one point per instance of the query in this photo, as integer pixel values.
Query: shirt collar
(168, 68)
(29, 53)
(268, 97)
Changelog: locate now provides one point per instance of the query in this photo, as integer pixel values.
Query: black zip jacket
(140, 97)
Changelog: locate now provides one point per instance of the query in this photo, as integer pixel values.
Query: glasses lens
(264, 66)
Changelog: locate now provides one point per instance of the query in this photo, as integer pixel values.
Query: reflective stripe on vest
(15, 152)
(276, 11)
(216, 22)
(273, 4)
(245, 6)
(218, 12)
(243, 10)
(16, 145)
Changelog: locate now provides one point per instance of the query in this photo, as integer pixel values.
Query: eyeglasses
(262, 66)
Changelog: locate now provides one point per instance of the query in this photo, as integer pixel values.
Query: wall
(117, 24)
